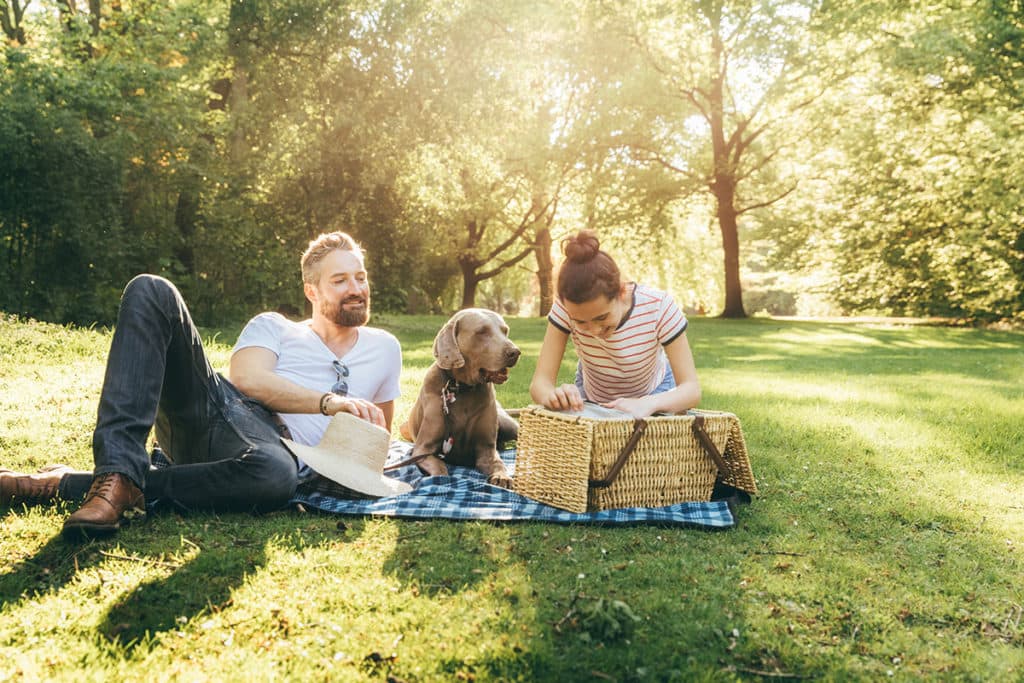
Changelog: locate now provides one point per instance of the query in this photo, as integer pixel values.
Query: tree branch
(5, 20)
(768, 202)
(689, 94)
(656, 157)
(740, 25)
(754, 168)
(485, 275)
(524, 223)
(742, 145)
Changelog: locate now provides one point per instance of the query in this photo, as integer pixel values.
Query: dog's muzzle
(501, 376)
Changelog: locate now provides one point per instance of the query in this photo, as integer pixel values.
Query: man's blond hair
(322, 246)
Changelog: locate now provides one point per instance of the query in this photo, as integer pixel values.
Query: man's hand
(565, 397)
(363, 409)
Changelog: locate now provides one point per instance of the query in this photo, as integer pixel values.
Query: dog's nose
(512, 356)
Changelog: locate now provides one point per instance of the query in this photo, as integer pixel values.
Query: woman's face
(598, 317)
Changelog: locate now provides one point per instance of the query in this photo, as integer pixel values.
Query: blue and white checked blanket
(465, 494)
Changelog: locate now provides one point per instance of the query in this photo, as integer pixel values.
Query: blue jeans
(223, 448)
(668, 382)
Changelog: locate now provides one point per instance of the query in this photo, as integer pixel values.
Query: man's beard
(348, 317)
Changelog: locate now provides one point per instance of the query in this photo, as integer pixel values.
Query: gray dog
(456, 418)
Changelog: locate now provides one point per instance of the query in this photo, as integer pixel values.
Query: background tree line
(807, 156)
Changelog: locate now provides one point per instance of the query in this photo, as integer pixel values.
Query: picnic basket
(580, 463)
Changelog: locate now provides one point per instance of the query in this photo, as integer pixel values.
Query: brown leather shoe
(31, 489)
(112, 500)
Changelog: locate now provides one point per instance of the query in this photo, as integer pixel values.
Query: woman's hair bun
(587, 272)
(582, 247)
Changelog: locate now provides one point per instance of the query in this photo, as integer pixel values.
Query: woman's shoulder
(652, 296)
(640, 289)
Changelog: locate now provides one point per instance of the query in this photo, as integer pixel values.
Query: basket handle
(639, 427)
(709, 446)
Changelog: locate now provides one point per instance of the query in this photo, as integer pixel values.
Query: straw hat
(352, 453)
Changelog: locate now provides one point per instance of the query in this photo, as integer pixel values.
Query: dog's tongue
(499, 377)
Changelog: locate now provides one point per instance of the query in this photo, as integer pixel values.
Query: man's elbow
(245, 383)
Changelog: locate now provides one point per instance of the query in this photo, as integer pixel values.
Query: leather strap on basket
(709, 446)
(639, 427)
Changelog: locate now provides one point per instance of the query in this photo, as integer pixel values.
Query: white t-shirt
(631, 362)
(374, 364)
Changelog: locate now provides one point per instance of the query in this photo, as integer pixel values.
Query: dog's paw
(501, 479)
(432, 466)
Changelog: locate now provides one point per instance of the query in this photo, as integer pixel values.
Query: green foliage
(944, 242)
(914, 189)
(872, 149)
(95, 135)
(602, 620)
(59, 195)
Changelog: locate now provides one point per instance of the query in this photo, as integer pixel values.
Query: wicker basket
(579, 463)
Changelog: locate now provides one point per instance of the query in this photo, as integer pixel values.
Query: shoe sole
(78, 532)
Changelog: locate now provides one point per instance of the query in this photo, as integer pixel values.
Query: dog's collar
(450, 391)
(452, 385)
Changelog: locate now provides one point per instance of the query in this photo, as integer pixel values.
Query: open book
(596, 411)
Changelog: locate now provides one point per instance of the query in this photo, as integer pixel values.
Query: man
(222, 438)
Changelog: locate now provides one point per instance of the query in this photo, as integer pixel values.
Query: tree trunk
(185, 215)
(241, 24)
(731, 247)
(723, 185)
(95, 11)
(475, 269)
(470, 282)
(545, 270)
(12, 22)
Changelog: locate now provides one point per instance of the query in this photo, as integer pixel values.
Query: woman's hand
(565, 397)
(361, 408)
(637, 407)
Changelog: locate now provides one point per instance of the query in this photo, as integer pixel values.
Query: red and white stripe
(631, 361)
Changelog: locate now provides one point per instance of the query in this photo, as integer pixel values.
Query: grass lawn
(887, 540)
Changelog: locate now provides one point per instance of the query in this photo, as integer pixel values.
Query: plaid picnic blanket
(464, 494)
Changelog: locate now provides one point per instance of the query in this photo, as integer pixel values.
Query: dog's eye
(483, 331)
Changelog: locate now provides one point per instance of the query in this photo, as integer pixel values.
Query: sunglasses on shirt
(341, 386)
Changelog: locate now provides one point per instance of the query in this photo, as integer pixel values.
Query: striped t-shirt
(631, 361)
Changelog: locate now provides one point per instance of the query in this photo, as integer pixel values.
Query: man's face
(343, 293)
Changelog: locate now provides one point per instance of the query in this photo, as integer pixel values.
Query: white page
(598, 412)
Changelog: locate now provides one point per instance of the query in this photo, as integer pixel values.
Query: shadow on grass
(558, 600)
(440, 557)
(202, 582)
(48, 570)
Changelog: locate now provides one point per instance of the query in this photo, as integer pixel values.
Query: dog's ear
(446, 346)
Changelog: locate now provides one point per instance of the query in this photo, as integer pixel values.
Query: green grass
(886, 541)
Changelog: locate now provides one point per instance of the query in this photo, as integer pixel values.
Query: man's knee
(274, 477)
(152, 287)
(145, 294)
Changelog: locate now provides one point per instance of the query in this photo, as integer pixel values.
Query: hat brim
(349, 473)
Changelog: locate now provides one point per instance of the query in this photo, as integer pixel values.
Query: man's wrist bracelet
(323, 402)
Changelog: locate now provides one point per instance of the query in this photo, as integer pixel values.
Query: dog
(456, 418)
